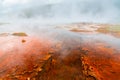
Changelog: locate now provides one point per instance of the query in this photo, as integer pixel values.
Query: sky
(103, 11)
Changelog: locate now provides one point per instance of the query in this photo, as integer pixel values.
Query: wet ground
(81, 51)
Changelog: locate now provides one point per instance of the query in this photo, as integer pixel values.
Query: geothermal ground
(80, 51)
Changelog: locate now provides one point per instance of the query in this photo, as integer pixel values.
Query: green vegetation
(108, 29)
(19, 34)
(111, 29)
(114, 28)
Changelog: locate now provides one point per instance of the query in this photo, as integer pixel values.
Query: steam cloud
(106, 11)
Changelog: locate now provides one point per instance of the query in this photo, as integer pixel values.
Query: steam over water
(45, 23)
(44, 11)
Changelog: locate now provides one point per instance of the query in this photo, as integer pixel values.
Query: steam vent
(81, 51)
